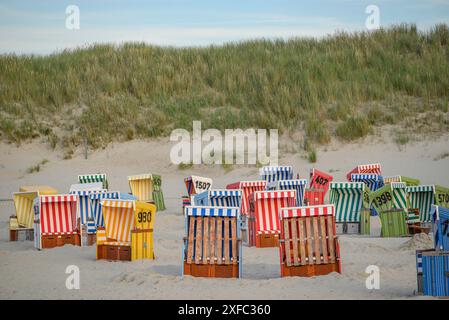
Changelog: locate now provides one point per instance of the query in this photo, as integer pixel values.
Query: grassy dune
(341, 85)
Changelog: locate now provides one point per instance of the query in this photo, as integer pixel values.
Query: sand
(26, 273)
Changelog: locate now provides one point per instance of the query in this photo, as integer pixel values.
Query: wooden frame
(309, 244)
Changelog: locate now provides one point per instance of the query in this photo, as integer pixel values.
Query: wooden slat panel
(190, 242)
(330, 240)
(234, 240)
(199, 239)
(206, 240)
(219, 240)
(212, 241)
(316, 241)
(287, 240)
(309, 240)
(302, 239)
(226, 241)
(323, 239)
(295, 241)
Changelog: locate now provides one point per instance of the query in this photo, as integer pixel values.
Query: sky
(39, 26)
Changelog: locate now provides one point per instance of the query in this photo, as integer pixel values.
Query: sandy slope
(28, 273)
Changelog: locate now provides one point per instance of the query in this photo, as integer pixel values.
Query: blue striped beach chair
(440, 219)
(299, 185)
(95, 199)
(212, 245)
(276, 173)
(435, 273)
(219, 198)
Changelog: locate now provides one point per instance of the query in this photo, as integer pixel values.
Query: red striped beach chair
(212, 246)
(263, 221)
(365, 168)
(319, 184)
(55, 222)
(308, 242)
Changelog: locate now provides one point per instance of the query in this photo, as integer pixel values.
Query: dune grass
(107, 93)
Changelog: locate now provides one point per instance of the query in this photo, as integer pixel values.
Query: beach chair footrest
(20, 234)
(52, 241)
(211, 270)
(309, 270)
(114, 252)
(268, 240)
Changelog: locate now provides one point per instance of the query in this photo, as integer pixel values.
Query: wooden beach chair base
(52, 241)
(267, 240)
(114, 252)
(417, 228)
(348, 227)
(365, 221)
(21, 234)
(310, 270)
(211, 270)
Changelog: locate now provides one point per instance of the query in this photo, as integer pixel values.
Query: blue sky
(39, 27)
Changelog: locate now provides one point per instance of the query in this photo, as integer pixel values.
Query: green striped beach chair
(348, 200)
(391, 202)
(421, 198)
(92, 178)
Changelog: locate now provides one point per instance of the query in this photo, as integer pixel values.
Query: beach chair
(373, 181)
(296, 184)
(148, 188)
(319, 184)
(128, 231)
(348, 200)
(212, 245)
(218, 198)
(55, 222)
(276, 173)
(247, 187)
(421, 198)
(196, 184)
(92, 178)
(21, 224)
(84, 212)
(442, 196)
(263, 221)
(391, 202)
(435, 273)
(95, 202)
(407, 180)
(308, 242)
(365, 168)
(440, 219)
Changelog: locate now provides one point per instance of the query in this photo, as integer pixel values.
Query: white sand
(30, 274)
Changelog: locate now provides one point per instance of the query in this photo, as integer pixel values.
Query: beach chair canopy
(91, 178)
(42, 190)
(84, 203)
(295, 184)
(142, 186)
(212, 236)
(373, 181)
(196, 184)
(365, 168)
(275, 173)
(23, 203)
(57, 214)
(320, 180)
(391, 196)
(422, 197)
(440, 220)
(219, 198)
(95, 200)
(247, 188)
(442, 196)
(267, 205)
(118, 220)
(407, 180)
(348, 200)
(77, 187)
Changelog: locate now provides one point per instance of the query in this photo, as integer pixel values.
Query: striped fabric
(199, 211)
(268, 205)
(310, 211)
(57, 214)
(248, 187)
(365, 168)
(84, 203)
(101, 236)
(348, 199)
(320, 180)
(142, 186)
(118, 219)
(219, 198)
(195, 184)
(95, 200)
(91, 228)
(91, 178)
(391, 196)
(373, 181)
(407, 180)
(440, 219)
(276, 173)
(298, 185)
(23, 203)
(77, 187)
(117, 243)
(422, 197)
(435, 268)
